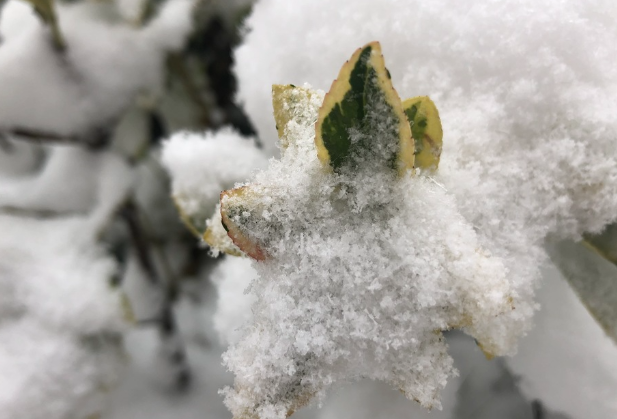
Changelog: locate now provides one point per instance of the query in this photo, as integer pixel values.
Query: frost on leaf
(361, 104)
(287, 102)
(361, 262)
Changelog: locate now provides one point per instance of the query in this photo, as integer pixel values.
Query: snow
(64, 184)
(203, 165)
(232, 278)
(481, 389)
(567, 361)
(81, 91)
(362, 269)
(72, 180)
(521, 154)
(60, 321)
(144, 392)
(525, 91)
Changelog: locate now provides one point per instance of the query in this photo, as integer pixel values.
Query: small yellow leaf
(426, 130)
(289, 103)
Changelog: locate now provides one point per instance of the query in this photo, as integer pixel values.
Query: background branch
(172, 345)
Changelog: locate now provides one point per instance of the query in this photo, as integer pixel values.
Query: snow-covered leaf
(201, 166)
(217, 238)
(287, 102)
(344, 133)
(236, 204)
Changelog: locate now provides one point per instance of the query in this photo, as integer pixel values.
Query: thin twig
(36, 213)
(140, 242)
(47, 12)
(96, 139)
(6, 145)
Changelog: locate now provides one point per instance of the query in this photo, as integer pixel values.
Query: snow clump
(361, 272)
(202, 166)
(60, 321)
(526, 93)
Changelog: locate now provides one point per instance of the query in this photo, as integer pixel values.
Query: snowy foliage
(82, 91)
(517, 138)
(361, 270)
(60, 321)
(525, 92)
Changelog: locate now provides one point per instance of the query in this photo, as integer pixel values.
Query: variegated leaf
(362, 118)
(426, 130)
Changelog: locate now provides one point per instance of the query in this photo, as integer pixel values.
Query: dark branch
(95, 139)
(537, 409)
(168, 329)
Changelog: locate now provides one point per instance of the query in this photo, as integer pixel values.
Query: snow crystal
(363, 270)
(202, 166)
